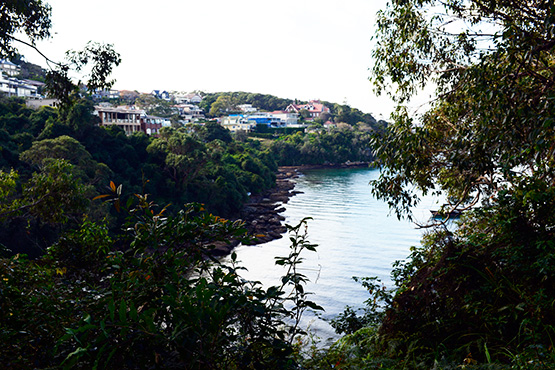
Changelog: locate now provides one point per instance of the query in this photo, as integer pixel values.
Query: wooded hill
(200, 163)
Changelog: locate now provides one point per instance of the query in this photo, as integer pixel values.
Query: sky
(297, 49)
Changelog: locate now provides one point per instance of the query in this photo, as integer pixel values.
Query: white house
(9, 68)
(237, 122)
(247, 108)
(13, 87)
(106, 93)
(291, 119)
(183, 98)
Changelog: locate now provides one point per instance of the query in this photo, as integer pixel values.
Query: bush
(152, 297)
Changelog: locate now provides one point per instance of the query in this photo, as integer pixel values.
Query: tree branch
(48, 60)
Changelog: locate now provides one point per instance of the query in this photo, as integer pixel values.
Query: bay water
(356, 234)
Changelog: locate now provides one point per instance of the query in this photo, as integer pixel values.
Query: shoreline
(261, 214)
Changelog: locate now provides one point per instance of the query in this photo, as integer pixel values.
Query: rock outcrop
(261, 213)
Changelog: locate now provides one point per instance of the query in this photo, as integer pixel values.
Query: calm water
(355, 237)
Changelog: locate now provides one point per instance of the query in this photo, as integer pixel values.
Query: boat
(455, 213)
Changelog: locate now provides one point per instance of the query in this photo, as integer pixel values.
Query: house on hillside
(38, 103)
(106, 94)
(314, 108)
(9, 68)
(151, 125)
(189, 112)
(248, 122)
(237, 122)
(39, 85)
(128, 118)
(11, 86)
(189, 98)
(161, 94)
(290, 119)
(247, 108)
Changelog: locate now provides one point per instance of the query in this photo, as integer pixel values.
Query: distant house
(248, 122)
(11, 69)
(128, 118)
(247, 108)
(106, 94)
(189, 112)
(39, 85)
(161, 94)
(37, 103)
(237, 122)
(189, 98)
(290, 119)
(151, 125)
(314, 108)
(13, 87)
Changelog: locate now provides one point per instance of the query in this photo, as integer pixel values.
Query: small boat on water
(455, 213)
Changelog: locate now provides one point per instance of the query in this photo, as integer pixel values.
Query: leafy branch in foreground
(152, 296)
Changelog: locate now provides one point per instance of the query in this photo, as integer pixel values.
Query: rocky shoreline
(261, 213)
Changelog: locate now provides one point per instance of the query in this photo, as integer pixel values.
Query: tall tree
(489, 135)
(493, 64)
(224, 103)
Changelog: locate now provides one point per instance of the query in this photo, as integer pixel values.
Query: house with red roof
(314, 107)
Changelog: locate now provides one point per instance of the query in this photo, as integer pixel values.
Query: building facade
(151, 125)
(248, 122)
(11, 86)
(314, 108)
(9, 68)
(129, 119)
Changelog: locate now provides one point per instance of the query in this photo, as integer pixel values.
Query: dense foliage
(228, 102)
(181, 166)
(149, 297)
(483, 294)
(338, 145)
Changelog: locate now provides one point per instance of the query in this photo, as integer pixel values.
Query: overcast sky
(304, 49)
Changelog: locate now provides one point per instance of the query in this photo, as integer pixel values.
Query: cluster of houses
(251, 118)
(132, 119)
(12, 86)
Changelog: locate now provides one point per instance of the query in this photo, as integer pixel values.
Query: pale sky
(304, 49)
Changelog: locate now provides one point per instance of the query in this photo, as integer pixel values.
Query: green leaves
(53, 195)
(170, 301)
(29, 17)
(97, 59)
(485, 143)
(487, 120)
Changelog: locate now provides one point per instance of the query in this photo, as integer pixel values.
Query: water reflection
(355, 237)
